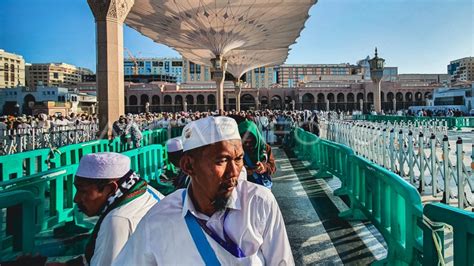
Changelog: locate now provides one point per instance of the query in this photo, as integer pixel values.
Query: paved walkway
(317, 236)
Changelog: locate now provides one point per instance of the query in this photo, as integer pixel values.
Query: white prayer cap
(103, 165)
(174, 144)
(209, 130)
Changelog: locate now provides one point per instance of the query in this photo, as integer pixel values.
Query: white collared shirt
(118, 225)
(254, 223)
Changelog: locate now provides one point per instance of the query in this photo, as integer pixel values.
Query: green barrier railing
(72, 154)
(327, 157)
(55, 208)
(20, 208)
(51, 196)
(390, 203)
(149, 162)
(462, 223)
(36, 161)
(27, 163)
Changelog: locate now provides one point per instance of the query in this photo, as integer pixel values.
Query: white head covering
(103, 165)
(174, 144)
(209, 130)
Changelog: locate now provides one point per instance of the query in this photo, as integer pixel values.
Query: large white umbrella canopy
(203, 29)
(241, 61)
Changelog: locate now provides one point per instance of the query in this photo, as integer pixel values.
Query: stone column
(377, 98)
(238, 92)
(109, 17)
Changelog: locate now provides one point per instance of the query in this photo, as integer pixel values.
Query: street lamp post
(376, 74)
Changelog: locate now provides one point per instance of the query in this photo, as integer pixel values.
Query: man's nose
(233, 169)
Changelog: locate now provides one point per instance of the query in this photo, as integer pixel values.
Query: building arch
(264, 100)
(321, 98)
(308, 98)
(200, 99)
(418, 96)
(211, 99)
(340, 97)
(390, 97)
(144, 98)
(247, 101)
(276, 102)
(178, 100)
(133, 100)
(370, 97)
(399, 97)
(350, 97)
(167, 100)
(409, 97)
(330, 97)
(155, 100)
(189, 99)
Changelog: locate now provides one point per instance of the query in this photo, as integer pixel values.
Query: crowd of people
(221, 210)
(45, 122)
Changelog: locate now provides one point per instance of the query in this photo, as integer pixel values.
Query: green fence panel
(388, 201)
(391, 204)
(72, 154)
(463, 234)
(147, 161)
(176, 131)
(27, 163)
(20, 223)
(53, 194)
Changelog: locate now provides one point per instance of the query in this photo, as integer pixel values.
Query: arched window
(133, 100)
(155, 100)
(167, 99)
(308, 98)
(200, 99)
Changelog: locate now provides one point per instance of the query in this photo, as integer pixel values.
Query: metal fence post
(459, 173)
(411, 151)
(434, 169)
(421, 153)
(446, 194)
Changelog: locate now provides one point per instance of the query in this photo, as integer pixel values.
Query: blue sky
(418, 36)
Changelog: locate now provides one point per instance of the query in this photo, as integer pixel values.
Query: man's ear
(186, 164)
(111, 188)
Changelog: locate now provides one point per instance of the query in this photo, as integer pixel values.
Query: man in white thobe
(218, 219)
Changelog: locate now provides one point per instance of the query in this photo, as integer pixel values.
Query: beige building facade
(262, 77)
(461, 69)
(12, 70)
(291, 75)
(344, 96)
(55, 74)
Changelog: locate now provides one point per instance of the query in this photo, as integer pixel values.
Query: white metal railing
(421, 153)
(24, 139)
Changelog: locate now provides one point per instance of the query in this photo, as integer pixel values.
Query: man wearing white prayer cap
(108, 188)
(218, 219)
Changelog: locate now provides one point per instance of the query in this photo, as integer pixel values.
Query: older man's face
(216, 169)
(89, 197)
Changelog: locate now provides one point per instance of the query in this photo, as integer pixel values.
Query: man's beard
(221, 199)
(220, 203)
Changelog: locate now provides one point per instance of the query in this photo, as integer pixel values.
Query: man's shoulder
(169, 206)
(254, 191)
